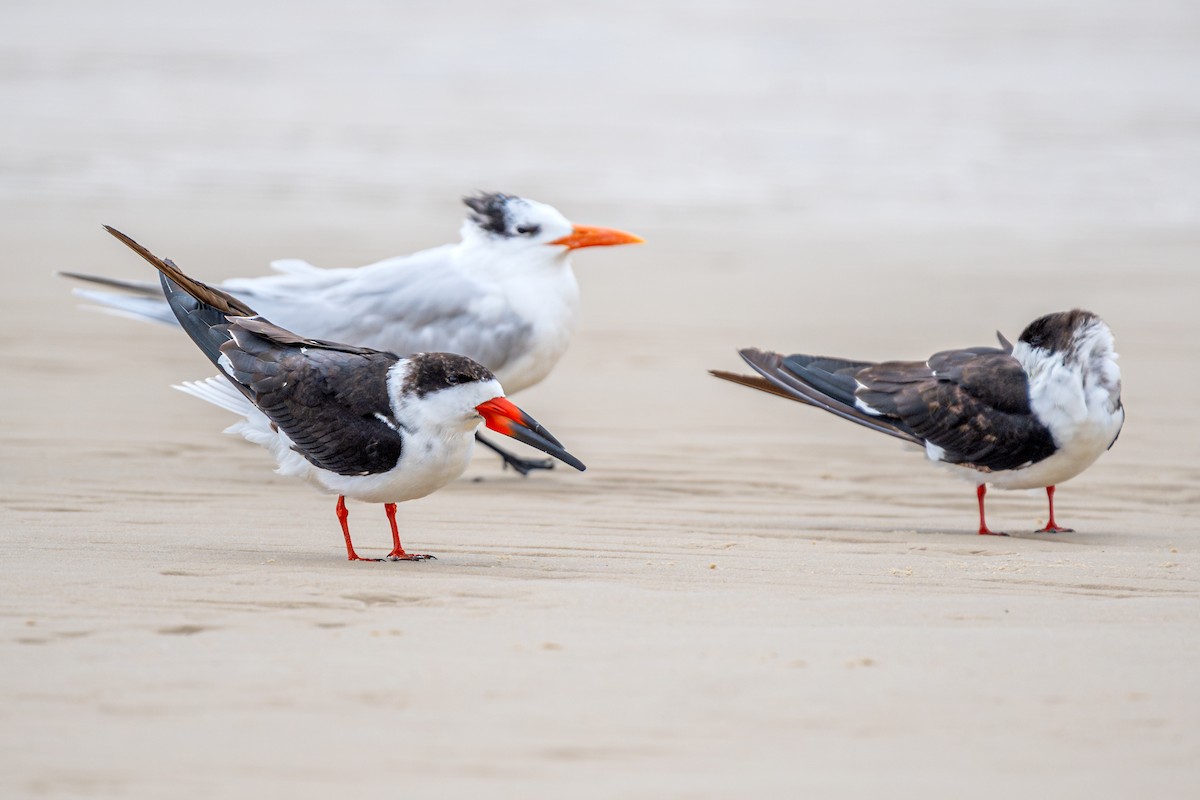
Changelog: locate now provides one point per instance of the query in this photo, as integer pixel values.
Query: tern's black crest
(1056, 332)
(429, 372)
(490, 211)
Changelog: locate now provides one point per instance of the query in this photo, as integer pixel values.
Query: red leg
(398, 553)
(342, 515)
(983, 528)
(1052, 526)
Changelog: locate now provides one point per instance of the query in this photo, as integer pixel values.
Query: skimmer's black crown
(430, 372)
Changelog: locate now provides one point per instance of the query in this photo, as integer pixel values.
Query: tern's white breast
(548, 301)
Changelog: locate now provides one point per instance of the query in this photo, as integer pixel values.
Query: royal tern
(353, 421)
(505, 295)
(1022, 417)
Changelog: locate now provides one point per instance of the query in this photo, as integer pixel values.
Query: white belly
(1088, 443)
(427, 463)
(425, 466)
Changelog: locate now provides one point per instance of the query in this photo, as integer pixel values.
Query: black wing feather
(330, 399)
(332, 404)
(770, 366)
(972, 403)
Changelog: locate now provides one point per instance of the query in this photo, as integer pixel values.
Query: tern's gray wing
(412, 304)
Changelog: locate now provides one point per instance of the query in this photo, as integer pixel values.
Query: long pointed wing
(330, 399)
(971, 403)
(784, 377)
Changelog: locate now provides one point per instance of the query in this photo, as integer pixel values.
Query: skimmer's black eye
(529, 230)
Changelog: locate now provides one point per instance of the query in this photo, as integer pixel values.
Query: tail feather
(220, 392)
(755, 382)
(772, 367)
(137, 287)
(132, 306)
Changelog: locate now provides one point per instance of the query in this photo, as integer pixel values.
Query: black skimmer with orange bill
(353, 421)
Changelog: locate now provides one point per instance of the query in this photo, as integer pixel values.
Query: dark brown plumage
(330, 399)
(971, 403)
(225, 303)
(1017, 417)
(332, 404)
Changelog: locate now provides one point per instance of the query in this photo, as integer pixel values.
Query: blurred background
(1039, 118)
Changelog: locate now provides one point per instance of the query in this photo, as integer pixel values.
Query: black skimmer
(353, 421)
(1017, 417)
(504, 296)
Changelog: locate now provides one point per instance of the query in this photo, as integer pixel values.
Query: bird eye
(529, 230)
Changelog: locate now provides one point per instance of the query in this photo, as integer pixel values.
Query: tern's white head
(506, 224)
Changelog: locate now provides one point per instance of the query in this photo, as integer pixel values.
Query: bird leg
(983, 528)
(1052, 526)
(521, 465)
(343, 515)
(398, 553)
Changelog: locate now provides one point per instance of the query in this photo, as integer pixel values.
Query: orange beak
(503, 417)
(591, 236)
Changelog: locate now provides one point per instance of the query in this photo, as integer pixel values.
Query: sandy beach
(741, 597)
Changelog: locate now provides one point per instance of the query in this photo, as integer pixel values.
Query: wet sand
(740, 597)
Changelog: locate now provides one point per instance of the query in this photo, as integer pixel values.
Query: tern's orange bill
(591, 236)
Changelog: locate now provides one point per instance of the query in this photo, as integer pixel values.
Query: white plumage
(505, 295)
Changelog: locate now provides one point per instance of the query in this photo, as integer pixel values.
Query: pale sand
(741, 597)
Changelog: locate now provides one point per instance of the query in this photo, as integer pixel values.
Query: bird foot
(526, 465)
(986, 532)
(1054, 529)
(522, 465)
(403, 556)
